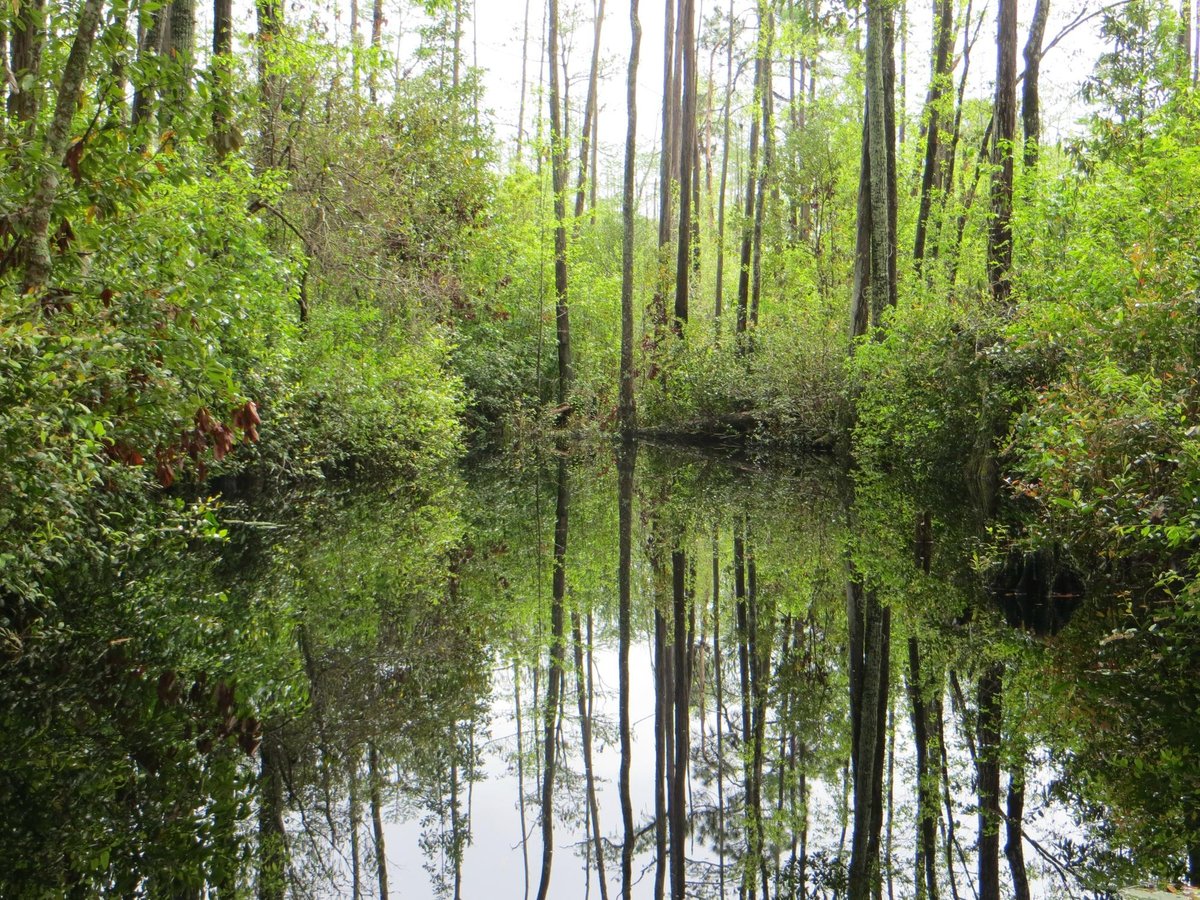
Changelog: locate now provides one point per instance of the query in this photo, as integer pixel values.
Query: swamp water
(802, 693)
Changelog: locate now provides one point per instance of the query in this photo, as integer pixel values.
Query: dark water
(373, 671)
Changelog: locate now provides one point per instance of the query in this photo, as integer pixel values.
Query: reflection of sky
(492, 865)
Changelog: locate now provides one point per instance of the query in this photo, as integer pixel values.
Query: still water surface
(407, 672)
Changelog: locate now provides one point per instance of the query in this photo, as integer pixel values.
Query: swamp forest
(563, 449)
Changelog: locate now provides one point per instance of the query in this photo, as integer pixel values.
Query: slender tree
(558, 162)
(1030, 108)
(1004, 134)
(627, 410)
(36, 221)
(686, 164)
(586, 143)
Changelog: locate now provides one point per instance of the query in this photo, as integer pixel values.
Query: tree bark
(988, 770)
(766, 18)
(686, 162)
(558, 155)
(225, 138)
(589, 114)
(1004, 132)
(724, 174)
(585, 735)
(555, 674)
(381, 874)
(36, 222)
(626, 464)
(28, 24)
(627, 411)
(1014, 850)
(682, 673)
(1030, 104)
(942, 66)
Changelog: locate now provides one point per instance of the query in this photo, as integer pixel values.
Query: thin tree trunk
(224, 135)
(589, 114)
(37, 220)
(942, 72)
(724, 174)
(678, 799)
(558, 153)
(627, 411)
(1004, 132)
(376, 45)
(686, 163)
(28, 25)
(524, 70)
(1014, 850)
(555, 675)
(988, 769)
(270, 28)
(743, 295)
(272, 837)
(355, 828)
(660, 750)
(521, 776)
(381, 874)
(1030, 105)
(585, 734)
(626, 463)
(766, 18)
(720, 712)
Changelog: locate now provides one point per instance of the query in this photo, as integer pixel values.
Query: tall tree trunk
(1004, 132)
(988, 769)
(558, 155)
(36, 222)
(627, 412)
(720, 712)
(557, 653)
(28, 26)
(870, 626)
(931, 128)
(589, 114)
(585, 734)
(272, 837)
(1014, 850)
(687, 152)
(682, 673)
(724, 173)
(381, 874)
(521, 775)
(524, 70)
(225, 137)
(626, 464)
(270, 84)
(743, 295)
(376, 45)
(355, 828)
(1030, 109)
(766, 19)
(181, 49)
(660, 746)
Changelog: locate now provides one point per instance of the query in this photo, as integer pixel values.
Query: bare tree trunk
(1014, 824)
(942, 72)
(28, 24)
(660, 750)
(1004, 132)
(724, 174)
(1030, 108)
(720, 712)
(743, 296)
(687, 149)
(626, 463)
(558, 154)
(376, 45)
(585, 734)
(766, 18)
(524, 69)
(988, 769)
(355, 828)
(521, 775)
(182, 51)
(381, 875)
(270, 28)
(225, 138)
(272, 837)
(557, 652)
(627, 412)
(36, 221)
(589, 114)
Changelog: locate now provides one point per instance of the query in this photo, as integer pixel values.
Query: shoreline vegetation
(256, 250)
